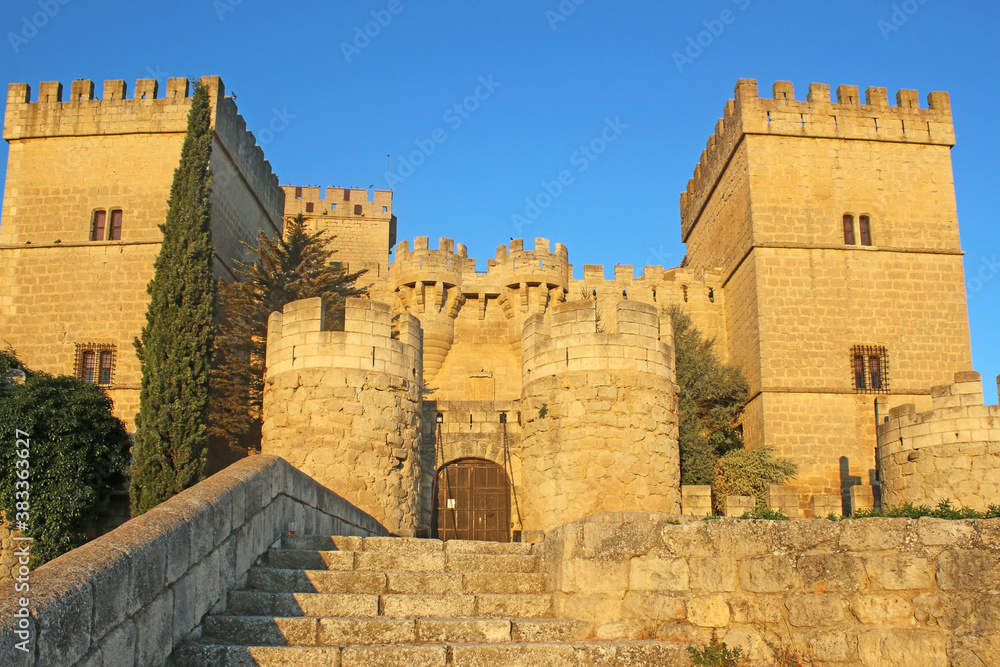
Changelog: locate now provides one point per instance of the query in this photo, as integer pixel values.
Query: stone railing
(887, 592)
(130, 596)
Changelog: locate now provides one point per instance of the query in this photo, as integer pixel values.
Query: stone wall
(951, 452)
(598, 414)
(129, 597)
(765, 208)
(874, 592)
(73, 154)
(344, 406)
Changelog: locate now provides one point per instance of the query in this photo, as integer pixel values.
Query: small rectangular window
(116, 226)
(99, 225)
(849, 229)
(309, 207)
(357, 209)
(95, 363)
(298, 193)
(859, 372)
(870, 367)
(104, 368)
(347, 195)
(864, 226)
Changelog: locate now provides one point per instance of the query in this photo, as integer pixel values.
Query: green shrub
(717, 654)
(944, 510)
(749, 472)
(78, 455)
(765, 513)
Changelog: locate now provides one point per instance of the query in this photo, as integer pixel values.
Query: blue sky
(328, 114)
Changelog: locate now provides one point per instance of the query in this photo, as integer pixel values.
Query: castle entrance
(471, 502)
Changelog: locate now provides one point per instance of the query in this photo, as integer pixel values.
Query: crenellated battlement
(950, 452)
(572, 337)
(515, 265)
(444, 265)
(82, 114)
(816, 116)
(299, 338)
(314, 201)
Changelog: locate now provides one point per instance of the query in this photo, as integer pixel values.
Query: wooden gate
(472, 502)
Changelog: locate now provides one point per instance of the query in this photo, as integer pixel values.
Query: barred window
(95, 363)
(870, 369)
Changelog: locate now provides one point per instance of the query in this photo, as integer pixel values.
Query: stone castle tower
(835, 230)
(87, 184)
(823, 256)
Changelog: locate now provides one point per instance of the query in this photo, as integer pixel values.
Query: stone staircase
(372, 602)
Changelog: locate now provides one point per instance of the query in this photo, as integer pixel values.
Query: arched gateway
(471, 502)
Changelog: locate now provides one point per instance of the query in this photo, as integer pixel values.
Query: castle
(823, 256)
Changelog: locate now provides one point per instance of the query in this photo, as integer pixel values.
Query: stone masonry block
(62, 601)
(737, 506)
(147, 552)
(154, 630)
(696, 500)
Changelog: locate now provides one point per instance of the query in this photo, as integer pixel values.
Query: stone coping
(130, 596)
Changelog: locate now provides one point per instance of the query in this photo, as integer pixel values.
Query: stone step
(402, 545)
(513, 654)
(279, 580)
(397, 561)
(488, 605)
(345, 631)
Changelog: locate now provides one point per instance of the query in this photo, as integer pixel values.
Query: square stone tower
(835, 227)
(87, 186)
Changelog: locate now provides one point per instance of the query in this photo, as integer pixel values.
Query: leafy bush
(944, 510)
(717, 654)
(749, 472)
(765, 513)
(712, 395)
(79, 453)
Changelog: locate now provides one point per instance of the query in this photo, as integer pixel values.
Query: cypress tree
(284, 269)
(176, 345)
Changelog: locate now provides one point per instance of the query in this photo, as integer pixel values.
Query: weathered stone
(709, 612)
(831, 572)
(883, 609)
(902, 648)
(714, 574)
(656, 574)
(810, 610)
(593, 576)
(768, 574)
(899, 572)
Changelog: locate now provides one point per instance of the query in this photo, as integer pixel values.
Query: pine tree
(297, 266)
(176, 345)
(712, 395)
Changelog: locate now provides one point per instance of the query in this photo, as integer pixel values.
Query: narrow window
(104, 374)
(859, 372)
(875, 372)
(309, 207)
(89, 366)
(347, 195)
(385, 209)
(116, 226)
(849, 229)
(357, 209)
(95, 363)
(870, 365)
(298, 193)
(865, 227)
(100, 222)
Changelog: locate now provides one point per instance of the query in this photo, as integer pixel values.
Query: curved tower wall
(951, 452)
(344, 406)
(598, 412)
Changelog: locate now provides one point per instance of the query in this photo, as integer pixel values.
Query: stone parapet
(129, 597)
(951, 452)
(344, 406)
(894, 592)
(816, 116)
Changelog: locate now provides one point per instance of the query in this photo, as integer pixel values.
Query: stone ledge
(134, 593)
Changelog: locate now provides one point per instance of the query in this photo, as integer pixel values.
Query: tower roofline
(818, 117)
